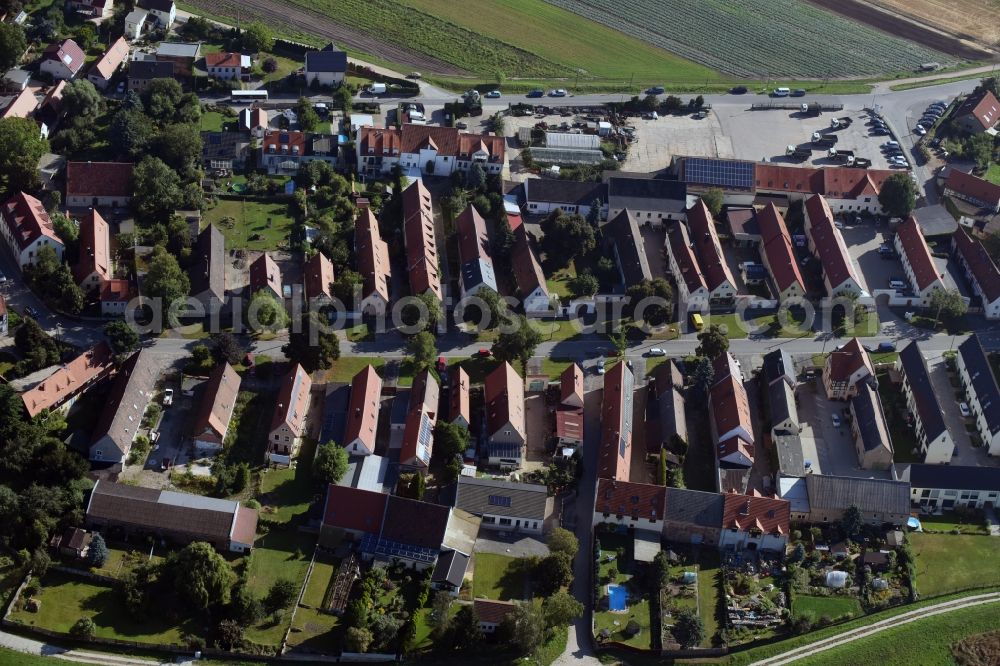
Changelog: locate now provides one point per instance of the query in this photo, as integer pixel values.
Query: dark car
(31, 312)
(880, 131)
(798, 92)
(655, 90)
(536, 93)
(884, 347)
(738, 90)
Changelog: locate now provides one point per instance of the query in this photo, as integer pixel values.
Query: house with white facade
(27, 228)
(135, 21)
(531, 286)
(636, 506)
(980, 270)
(504, 505)
(227, 66)
(981, 389)
(936, 443)
(544, 195)
(163, 12)
(505, 424)
(918, 264)
(425, 149)
(778, 256)
(718, 278)
(692, 291)
(826, 242)
(758, 523)
(326, 67)
(475, 262)
(938, 488)
(62, 60)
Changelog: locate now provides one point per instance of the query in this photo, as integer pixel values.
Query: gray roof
(501, 498)
(870, 421)
(643, 193)
(158, 5)
(150, 69)
(366, 473)
(926, 403)
(326, 61)
(178, 49)
(837, 493)
(570, 192)
(630, 252)
(781, 399)
(224, 146)
(790, 459)
(335, 405)
(450, 568)
(778, 364)
(935, 220)
(671, 401)
(983, 381)
(695, 507)
(208, 270)
(952, 477)
(127, 401)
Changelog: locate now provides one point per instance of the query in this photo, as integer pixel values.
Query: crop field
(978, 19)
(759, 38)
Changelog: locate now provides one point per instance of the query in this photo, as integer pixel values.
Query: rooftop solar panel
(721, 173)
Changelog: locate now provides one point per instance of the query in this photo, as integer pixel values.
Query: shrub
(84, 629)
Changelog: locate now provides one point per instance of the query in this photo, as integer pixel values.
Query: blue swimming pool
(617, 597)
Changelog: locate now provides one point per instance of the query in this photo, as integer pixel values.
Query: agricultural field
(979, 19)
(773, 38)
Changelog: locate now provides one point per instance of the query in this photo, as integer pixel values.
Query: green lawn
(993, 173)
(312, 628)
(947, 522)
(615, 623)
(554, 367)
(832, 607)
(346, 367)
(213, 121)
(948, 563)
(734, 327)
(555, 330)
(268, 224)
(281, 554)
(497, 577)
(926, 641)
(477, 368)
(65, 599)
(285, 66)
(708, 594)
(11, 658)
(653, 362)
(285, 493)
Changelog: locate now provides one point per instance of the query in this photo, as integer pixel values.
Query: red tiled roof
(373, 255)
(228, 59)
(847, 360)
(569, 423)
(293, 401)
(65, 382)
(264, 272)
(446, 141)
(354, 509)
(736, 445)
(984, 107)
(458, 394)
(614, 460)
(67, 52)
(527, 271)
(115, 290)
(917, 253)
(975, 188)
(504, 398)
(777, 245)
(706, 240)
(27, 220)
(571, 386)
(780, 178)
(318, 276)
(473, 242)
(835, 182)
(245, 525)
(417, 445)
(493, 612)
(283, 142)
(217, 403)
(638, 500)
(752, 512)
(112, 59)
(829, 244)
(376, 141)
(729, 404)
(982, 267)
(421, 240)
(680, 248)
(514, 221)
(99, 179)
(94, 255)
(362, 412)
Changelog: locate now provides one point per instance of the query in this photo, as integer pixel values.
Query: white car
(964, 408)
(656, 351)
(168, 397)
(919, 129)
(493, 94)
(835, 418)
(558, 92)
(891, 144)
(600, 367)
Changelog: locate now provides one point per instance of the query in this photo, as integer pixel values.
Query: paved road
(29, 646)
(896, 621)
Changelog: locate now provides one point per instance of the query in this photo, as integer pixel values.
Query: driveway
(953, 419)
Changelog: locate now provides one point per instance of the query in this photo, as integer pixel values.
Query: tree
(13, 44)
(121, 338)
(701, 372)
(201, 355)
(81, 99)
(84, 628)
(496, 308)
(40, 562)
(281, 594)
(266, 312)
(308, 118)
(131, 132)
(156, 190)
(562, 540)
(161, 98)
(270, 65)
(244, 607)
(450, 439)
(475, 178)
(21, 146)
(566, 237)
(423, 350)
(553, 572)
(898, 195)
(979, 148)
(561, 609)
(440, 616)
(66, 229)
(227, 349)
(348, 282)
(201, 577)
(852, 523)
(179, 146)
(712, 343)
(688, 628)
(583, 285)
(518, 344)
(97, 552)
(165, 279)
(948, 303)
(229, 635)
(330, 463)
(257, 36)
(524, 628)
(713, 198)
(311, 343)
(654, 312)
(412, 313)
(357, 639)
(465, 631)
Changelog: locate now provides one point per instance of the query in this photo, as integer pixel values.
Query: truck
(824, 140)
(840, 123)
(812, 110)
(862, 163)
(843, 156)
(377, 89)
(798, 154)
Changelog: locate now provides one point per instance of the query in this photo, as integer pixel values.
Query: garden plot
(623, 609)
(755, 603)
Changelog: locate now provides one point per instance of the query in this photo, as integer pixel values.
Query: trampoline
(617, 596)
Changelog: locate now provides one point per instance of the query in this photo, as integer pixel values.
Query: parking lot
(863, 241)
(658, 141)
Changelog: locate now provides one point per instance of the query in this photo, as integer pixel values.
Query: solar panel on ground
(722, 173)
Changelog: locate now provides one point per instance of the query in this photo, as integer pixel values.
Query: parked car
(558, 92)
(891, 144)
(493, 94)
(600, 367)
(655, 90)
(168, 397)
(31, 311)
(880, 132)
(835, 419)
(536, 93)
(462, 125)
(656, 351)
(738, 90)
(798, 92)
(484, 353)
(964, 408)
(919, 129)
(886, 347)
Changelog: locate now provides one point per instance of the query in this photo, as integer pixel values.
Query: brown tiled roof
(917, 253)
(354, 509)
(293, 401)
(67, 49)
(614, 454)
(27, 220)
(639, 500)
(975, 188)
(418, 432)
(373, 256)
(569, 422)
(752, 512)
(318, 276)
(68, 380)
(847, 360)
(362, 413)
(415, 523)
(227, 59)
(112, 59)
(504, 397)
(207, 272)
(116, 290)
(527, 271)
(264, 273)
(493, 612)
(777, 245)
(706, 240)
(421, 241)
(245, 525)
(680, 248)
(982, 267)
(837, 264)
(283, 142)
(217, 402)
(473, 242)
(95, 255)
(375, 141)
(447, 141)
(571, 386)
(99, 179)
(458, 394)
(984, 107)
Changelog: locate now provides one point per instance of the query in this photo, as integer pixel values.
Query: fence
(788, 106)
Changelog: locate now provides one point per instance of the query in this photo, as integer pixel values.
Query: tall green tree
(713, 198)
(688, 628)
(423, 350)
(21, 146)
(948, 303)
(131, 132)
(518, 344)
(122, 339)
(161, 98)
(13, 44)
(566, 237)
(712, 343)
(524, 628)
(898, 195)
(201, 577)
(156, 190)
(280, 595)
(562, 540)
(179, 146)
(561, 609)
(307, 116)
(257, 36)
(330, 463)
(266, 310)
(312, 343)
(165, 279)
(81, 99)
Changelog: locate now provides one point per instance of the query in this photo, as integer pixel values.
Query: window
(505, 521)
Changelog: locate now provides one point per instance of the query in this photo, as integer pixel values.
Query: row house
(980, 270)
(438, 151)
(569, 412)
(505, 505)
(60, 390)
(93, 267)
(27, 228)
(265, 275)
(972, 189)
(544, 195)
(420, 240)
(459, 402)
(918, 264)
(373, 264)
(652, 201)
(475, 262)
(505, 424)
(614, 453)
(845, 369)
(778, 256)
(938, 488)
(531, 285)
(421, 418)
(869, 430)
(936, 442)
(981, 389)
(362, 412)
(121, 417)
(718, 278)
(692, 291)
(317, 280)
(215, 411)
(282, 152)
(729, 410)
(624, 243)
(289, 419)
(827, 243)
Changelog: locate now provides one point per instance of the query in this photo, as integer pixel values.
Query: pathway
(863, 632)
(29, 646)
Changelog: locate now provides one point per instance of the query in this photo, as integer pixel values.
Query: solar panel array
(500, 500)
(721, 173)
